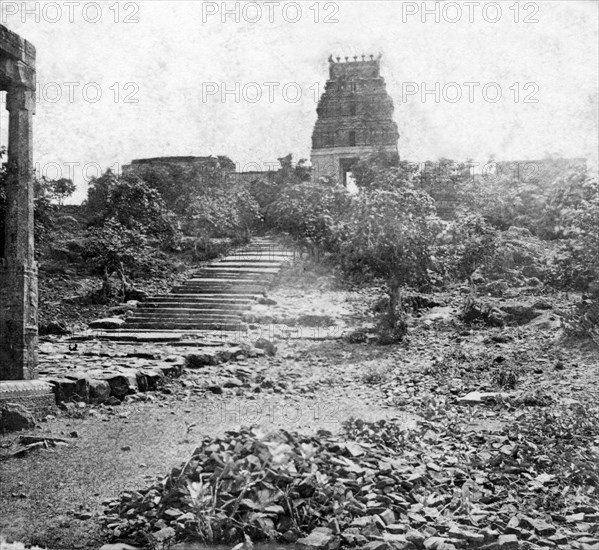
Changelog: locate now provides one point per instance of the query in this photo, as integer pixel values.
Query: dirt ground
(54, 497)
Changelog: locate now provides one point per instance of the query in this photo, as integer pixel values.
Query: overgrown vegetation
(409, 226)
(432, 225)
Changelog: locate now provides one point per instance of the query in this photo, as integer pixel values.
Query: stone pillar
(18, 269)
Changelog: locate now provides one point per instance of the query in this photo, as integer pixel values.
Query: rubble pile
(378, 486)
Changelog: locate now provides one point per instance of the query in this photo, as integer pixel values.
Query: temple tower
(355, 117)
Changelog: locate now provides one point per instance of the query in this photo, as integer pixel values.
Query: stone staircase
(217, 295)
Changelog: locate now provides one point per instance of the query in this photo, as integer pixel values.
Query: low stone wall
(38, 405)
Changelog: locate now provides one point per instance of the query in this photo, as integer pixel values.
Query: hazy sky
(247, 86)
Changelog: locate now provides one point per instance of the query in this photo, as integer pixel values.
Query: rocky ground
(466, 435)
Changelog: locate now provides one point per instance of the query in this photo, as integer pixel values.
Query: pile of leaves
(379, 485)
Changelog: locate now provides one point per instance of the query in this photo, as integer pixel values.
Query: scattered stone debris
(378, 486)
(267, 346)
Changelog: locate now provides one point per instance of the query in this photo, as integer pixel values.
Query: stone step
(221, 298)
(263, 246)
(159, 326)
(190, 313)
(222, 280)
(239, 269)
(235, 277)
(257, 259)
(222, 283)
(147, 307)
(250, 265)
(212, 292)
(234, 316)
(178, 322)
(212, 289)
(216, 296)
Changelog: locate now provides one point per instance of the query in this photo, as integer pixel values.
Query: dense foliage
(493, 227)
(310, 213)
(112, 247)
(228, 211)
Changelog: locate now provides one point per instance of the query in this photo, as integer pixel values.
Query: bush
(133, 204)
(112, 246)
(224, 212)
(180, 185)
(576, 264)
(310, 213)
(582, 321)
(467, 243)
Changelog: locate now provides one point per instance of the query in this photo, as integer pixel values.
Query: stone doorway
(345, 170)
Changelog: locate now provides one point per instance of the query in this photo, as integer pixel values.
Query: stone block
(171, 370)
(15, 417)
(99, 391)
(108, 323)
(149, 379)
(122, 384)
(69, 389)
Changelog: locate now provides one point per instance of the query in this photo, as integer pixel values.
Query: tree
(98, 197)
(390, 234)
(61, 189)
(290, 173)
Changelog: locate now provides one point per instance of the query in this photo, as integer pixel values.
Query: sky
(469, 80)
